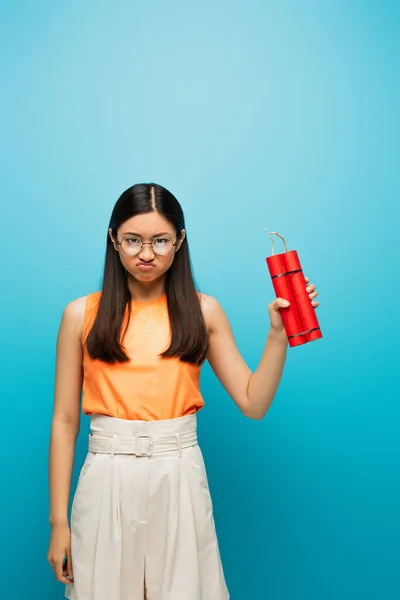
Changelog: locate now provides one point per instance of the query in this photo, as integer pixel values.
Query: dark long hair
(189, 338)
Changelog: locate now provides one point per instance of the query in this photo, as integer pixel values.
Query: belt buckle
(149, 450)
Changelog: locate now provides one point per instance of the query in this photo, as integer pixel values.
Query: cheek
(168, 263)
(125, 263)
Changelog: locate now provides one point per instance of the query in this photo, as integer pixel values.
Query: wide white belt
(141, 445)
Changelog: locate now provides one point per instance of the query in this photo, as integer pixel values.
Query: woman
(141, 522)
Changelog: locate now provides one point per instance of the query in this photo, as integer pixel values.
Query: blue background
(254, 114)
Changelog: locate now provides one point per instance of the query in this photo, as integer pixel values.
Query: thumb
(281, 303)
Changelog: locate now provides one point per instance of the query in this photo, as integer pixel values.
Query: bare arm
(65, 429)
(252, 392)
(264, 382)
(66, 415)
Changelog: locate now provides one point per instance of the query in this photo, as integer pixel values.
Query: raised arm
(252, 392)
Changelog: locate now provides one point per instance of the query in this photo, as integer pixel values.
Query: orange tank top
(147, 387)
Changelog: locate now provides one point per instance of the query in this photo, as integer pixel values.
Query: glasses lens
(131, 246)
(162, 246)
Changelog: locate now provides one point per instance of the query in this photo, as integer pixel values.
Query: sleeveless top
(147, 387)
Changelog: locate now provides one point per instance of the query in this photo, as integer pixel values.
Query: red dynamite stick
(299, 319)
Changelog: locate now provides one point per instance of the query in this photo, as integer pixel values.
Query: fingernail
(285, 303)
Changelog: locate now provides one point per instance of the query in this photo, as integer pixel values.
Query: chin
(142, 276)
(145, 276)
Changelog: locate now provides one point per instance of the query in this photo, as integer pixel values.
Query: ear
(181, 238)
(110, 233)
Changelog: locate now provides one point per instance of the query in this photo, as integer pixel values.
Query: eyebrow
(138, 234)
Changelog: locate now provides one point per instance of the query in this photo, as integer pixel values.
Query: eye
(133, 241)
(161, 241)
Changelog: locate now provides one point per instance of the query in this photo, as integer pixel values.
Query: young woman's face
(147, 264)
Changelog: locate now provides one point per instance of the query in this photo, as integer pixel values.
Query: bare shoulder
(212, 311)
(208, 303)
(76, 308)
(74, 314)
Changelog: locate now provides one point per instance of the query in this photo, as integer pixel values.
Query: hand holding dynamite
(293, 297)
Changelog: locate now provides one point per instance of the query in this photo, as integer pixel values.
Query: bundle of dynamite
(299, 318)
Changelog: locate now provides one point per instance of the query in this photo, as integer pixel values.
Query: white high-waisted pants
(142, 525)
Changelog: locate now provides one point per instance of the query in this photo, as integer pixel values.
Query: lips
(145, 266)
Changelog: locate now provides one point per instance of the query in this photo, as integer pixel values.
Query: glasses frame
(145, 244)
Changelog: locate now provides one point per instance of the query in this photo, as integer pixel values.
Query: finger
(307, 278)
(281, 303)
(311, 287)
(58, 569)
(315, 304)
(313, 295)
(69, 564)
(65, 567)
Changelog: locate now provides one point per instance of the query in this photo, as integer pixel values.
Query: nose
(146, 253)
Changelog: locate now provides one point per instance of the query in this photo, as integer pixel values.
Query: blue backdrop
(254, 114)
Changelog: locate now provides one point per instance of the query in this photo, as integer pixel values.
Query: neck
(142, 291)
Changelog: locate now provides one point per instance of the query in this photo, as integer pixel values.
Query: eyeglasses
(133, 246)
